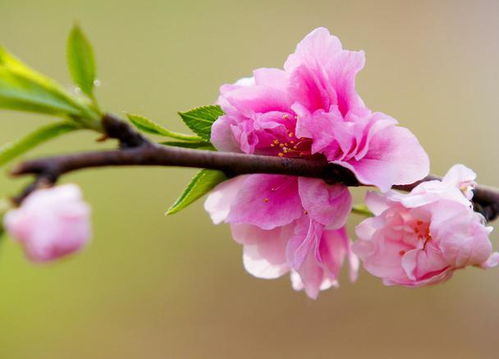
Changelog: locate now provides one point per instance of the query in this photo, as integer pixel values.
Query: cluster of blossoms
(297, 225)
(309, 109)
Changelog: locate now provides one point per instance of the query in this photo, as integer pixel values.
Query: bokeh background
(152, 286)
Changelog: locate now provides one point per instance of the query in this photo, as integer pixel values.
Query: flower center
(292, 146)
(422, 232)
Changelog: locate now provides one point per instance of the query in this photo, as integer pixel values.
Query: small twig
(116, 128)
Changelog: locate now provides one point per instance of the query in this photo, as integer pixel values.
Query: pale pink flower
(422, 237)
(51, 223)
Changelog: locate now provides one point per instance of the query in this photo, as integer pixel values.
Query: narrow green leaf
(43, 134)
(201, 145)
(81, 62)
(200, 119)
(153, 128)
(362, 210)
(201, 184)
(23, 89)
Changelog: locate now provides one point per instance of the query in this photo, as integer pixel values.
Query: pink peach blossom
(312, 108)
(51, 223)
(422, 237)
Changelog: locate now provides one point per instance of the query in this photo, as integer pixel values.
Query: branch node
(118, 129)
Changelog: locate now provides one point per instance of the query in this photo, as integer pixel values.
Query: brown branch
(233, 164)
(128, 137)
(136, 150)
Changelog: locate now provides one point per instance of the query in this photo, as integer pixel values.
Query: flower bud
(51, 223)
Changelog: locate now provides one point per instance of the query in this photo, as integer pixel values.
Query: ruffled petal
(395, 156)
(305, 239)
(266, 201)
(463, 239)
(323, 74)
(311, 278)
(257, 99)
(333, 249)
(318, 46)
(220, 199)
(329, 205)
(462, 178)
(222, 135)
(491, 262)
(271, 77)
(376, 202)
(264, 254)
(381, 257)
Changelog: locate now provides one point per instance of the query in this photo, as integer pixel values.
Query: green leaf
(201, 184)
(23, 89)
(153, 128)
(362, 210)
(43, 134)
(200, 119)
(80, 56)
(201, 145)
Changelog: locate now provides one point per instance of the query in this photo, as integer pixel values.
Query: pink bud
(51, 223)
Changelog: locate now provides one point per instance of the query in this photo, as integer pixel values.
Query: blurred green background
(151, 286)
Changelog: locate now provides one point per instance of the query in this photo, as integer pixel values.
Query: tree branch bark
(136, 150)
(233, 164)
